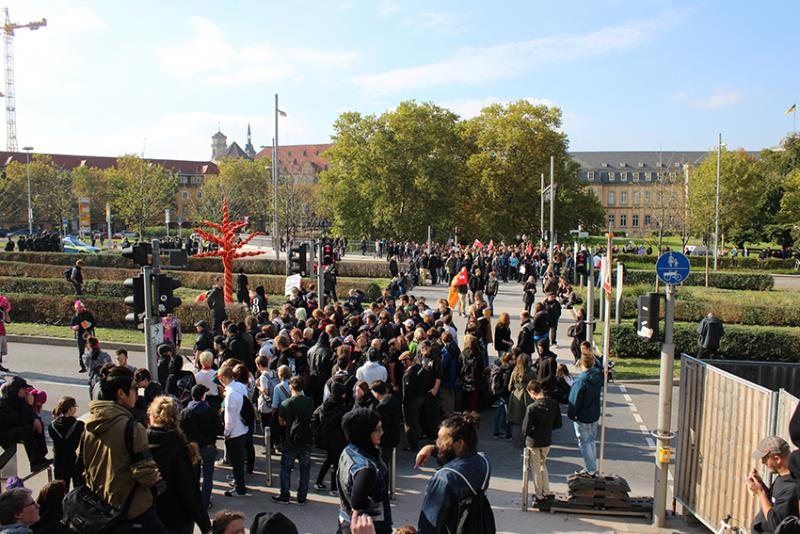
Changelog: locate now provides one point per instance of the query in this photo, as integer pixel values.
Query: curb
(645, 382)
(65, 342)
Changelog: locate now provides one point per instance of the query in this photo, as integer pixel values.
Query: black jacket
(320, 357)
(66, 434)
(413, 387)
(390, 409)
(240, 349)
(541, 418)
(541, 323)
(201, 423)
(525, 341)
(553, 310)
(181, 500)
(14, 411)
(547, 365)
(330, 422)
(50, 524)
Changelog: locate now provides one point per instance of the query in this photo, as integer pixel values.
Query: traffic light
(135, 301)
(327, 255)
(647, 320)
(298, 260)
(166, 301)
(138, 253)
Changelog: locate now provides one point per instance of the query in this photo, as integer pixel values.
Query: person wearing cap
(202, 425)
(779, 500)
(20, 423)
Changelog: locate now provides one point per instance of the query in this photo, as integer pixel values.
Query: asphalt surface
(629, 450)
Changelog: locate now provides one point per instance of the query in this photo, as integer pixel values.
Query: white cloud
(429, 20)
(208, 51)
(720, 100)
(471, 107)
(475, 65)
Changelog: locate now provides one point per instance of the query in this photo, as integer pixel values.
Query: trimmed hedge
(379, 269)
(18, 277)
(751, 281)
(110, 313)
(724, 262)
(739, 342)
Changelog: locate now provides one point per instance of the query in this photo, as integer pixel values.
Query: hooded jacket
(14, 411)
(200, 423)
(66, 433)
(181, 499)
(110, 471)
(584, 397)
(541, 418)
(709, 333)
(320, 357)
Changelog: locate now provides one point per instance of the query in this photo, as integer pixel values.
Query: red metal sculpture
(228, 245)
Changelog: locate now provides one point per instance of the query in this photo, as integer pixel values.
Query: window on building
(648, 220)
(199, 194)
(673, 199)
(590, 176)
(660, 198)
(612, 198)
(636, 198)
(648, 197)
(623, 176)
(183, 179)
(623, 198)
(612, 176)
(635, 221)
(185, 195)
(623, 220)
(290, 152)
(611, 220)
(304, 153)
(648, 176)
(636, 177)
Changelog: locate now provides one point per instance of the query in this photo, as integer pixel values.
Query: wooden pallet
(636, 507)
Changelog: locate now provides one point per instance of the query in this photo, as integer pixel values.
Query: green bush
(752, 281)
(739, 342)
(110, 313)
(264, 265)
(723, 262)
(273, 284)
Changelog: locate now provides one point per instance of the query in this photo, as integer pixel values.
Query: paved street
(628, 453)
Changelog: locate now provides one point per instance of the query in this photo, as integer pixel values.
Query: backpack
(317, 430)
(468, 369)
(474, 513)
(247, 414)
(68, 274)
(183, 387)
(300, 435)
(492, 287)
(498, 379)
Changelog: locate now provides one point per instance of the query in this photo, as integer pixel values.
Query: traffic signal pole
(320, 277)
(664, 432)
(147, 274)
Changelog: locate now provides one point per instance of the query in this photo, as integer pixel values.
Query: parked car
(697, 250)
(126, 233)
(74, 245)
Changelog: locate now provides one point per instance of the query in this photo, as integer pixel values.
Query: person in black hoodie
(546, 366)
(329, 435)
(65, 432)
(363, 478)
(542, 416)
(320, 363)
(239, 348)
(20, 424)
(391, 411)
(553, 309)
(202, 425)
(180, 505)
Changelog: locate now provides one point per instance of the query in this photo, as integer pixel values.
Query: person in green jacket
(519, 399)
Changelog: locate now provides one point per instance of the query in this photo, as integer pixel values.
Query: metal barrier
(787, 404)
(526, 457)
(268, 454)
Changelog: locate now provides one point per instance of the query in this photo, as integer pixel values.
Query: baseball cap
(408, 323)
(428, 313)
(201, 323)
(771, 446)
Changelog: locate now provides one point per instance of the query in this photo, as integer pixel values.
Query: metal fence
(787, 403)
(722, 417)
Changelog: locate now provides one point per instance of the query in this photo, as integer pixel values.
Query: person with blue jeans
(499, 378)
(201, 424)
(295, 416)
(584, 409)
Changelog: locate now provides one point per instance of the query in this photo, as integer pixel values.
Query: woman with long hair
(179, 506)
(471, 372)
(529, 293)
(519, 399)
(502, 334)
(66, 431)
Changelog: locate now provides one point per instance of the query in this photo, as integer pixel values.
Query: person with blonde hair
(502, 334)
(180, 506)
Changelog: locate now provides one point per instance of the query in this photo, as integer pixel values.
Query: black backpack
(468, 371)
(499, 380)
(68, 274)
(247, 414)
(474, 513)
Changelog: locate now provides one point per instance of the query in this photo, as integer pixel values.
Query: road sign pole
(590, 298)
(149, 350)
(606, 344)
(618, 301)
(663, 432)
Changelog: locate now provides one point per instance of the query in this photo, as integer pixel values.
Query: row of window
(185, 195)
(648, 198)
(194, 180)
(623, 176)
(623, 220)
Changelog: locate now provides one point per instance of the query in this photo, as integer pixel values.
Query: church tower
(219, 144)
(249, 148)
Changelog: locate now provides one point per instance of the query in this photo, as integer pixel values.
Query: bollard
(393, 480)
(268, 454)
(526, 456)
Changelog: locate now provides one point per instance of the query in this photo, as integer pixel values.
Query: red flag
(529, 249)
(491, 244)
(477, 244)
(462, 278)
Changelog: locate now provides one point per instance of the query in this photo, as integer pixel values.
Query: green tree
(246, 184)
(395, 174)
(92, 183)
(51, 190)
(508, 147)
(142, 191)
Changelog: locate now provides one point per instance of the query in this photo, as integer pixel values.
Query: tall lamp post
(28, 150)
(716, 203)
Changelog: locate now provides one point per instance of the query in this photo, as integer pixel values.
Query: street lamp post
(28, 150)
(716, 203)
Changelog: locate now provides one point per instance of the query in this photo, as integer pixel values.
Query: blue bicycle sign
(673, 268)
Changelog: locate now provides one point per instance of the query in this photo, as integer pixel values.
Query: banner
(84, 215)
(292, 281)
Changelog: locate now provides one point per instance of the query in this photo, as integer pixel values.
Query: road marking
(54, 383)
(638, 418)
(627, 397)
(644, 429)
(623, 389)
(650, 443)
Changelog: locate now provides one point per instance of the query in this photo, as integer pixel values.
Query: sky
(158, 78)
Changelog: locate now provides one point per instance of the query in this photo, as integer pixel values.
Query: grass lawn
(119, 335)
(641, 368)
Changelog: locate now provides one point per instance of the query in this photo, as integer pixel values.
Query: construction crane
(11, 101)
